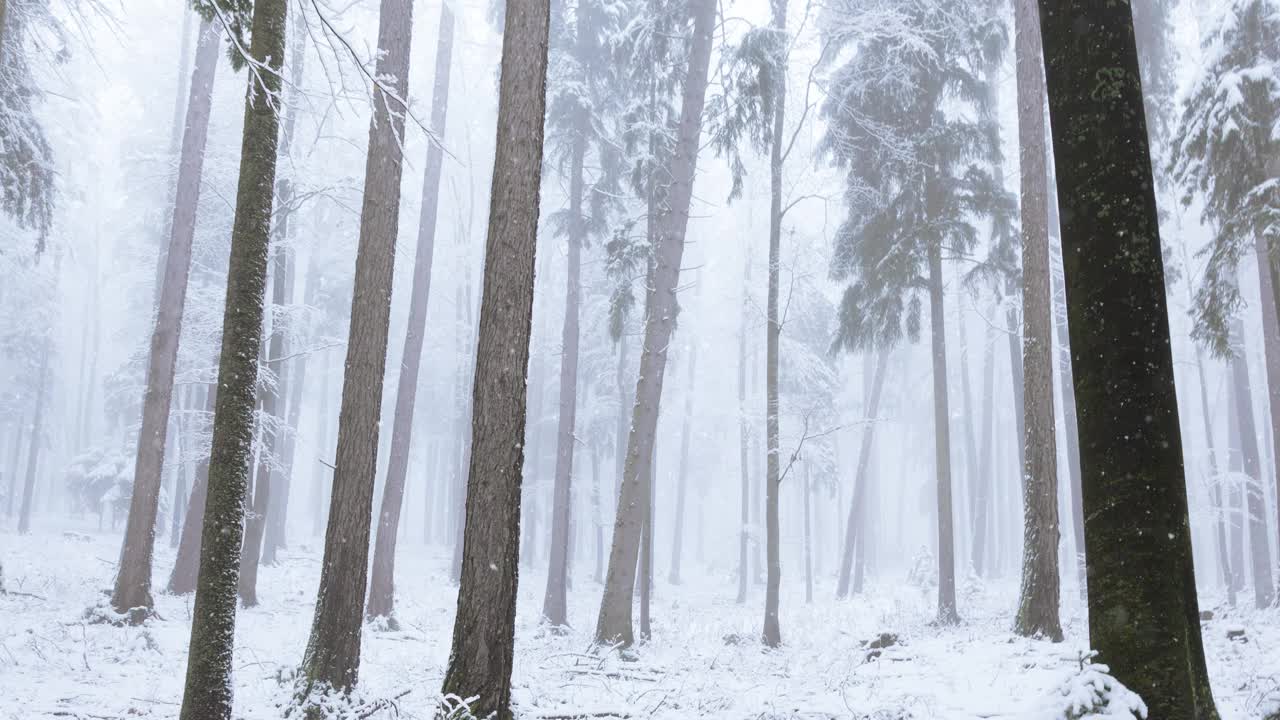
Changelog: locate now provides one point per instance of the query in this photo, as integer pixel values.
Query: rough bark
(857, 504)
(1251, 457)
(332, 658)
(132, 592)
(182, 579)
(1038, 600)
(483, 633)
(1144, 617)
(381, 601)
(207, 694)
(35, 440)
(947, 613)
(677, 536)
(554, 606)
(614, 624)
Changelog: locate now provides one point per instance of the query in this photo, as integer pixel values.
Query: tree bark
(1038, 600)
(132, 593)
(947, 613)
(381, 602)
(483, 633)
(772, 631)
(207, 694)
(1254, 493)
(554, 608)
(614, 624)
(857, 513)
(677, 537)
(182, 579)
(332, 658)
(1144, 617)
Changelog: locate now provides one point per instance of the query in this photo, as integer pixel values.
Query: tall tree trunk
(35, 440)
(207, 694)
(970, 440)
(857, 505)
(180, 476)
(1235, 470)
(983, 493)
(382, 586)
(772, 631)
(15, 465)
(1069, 415)
(624, 418)
(1254, 493)
(132, 593)
(332, 657)
(554, 608)
(182, 579)
(614, 624)
(808, 538)
(597, 512)
(483, 633)
(677, 536)
(1038, 600)
(744, 533)
(947, 613)
(1215, 482)
(1271, 355)
(463, 414)
(1144, 617)
(645, 567)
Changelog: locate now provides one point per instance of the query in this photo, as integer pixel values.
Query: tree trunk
(947, 613)
(624, 412)
(483, 633)
(1215, 482)
(744, 536)
(772, 631)
(207, 694)
(554, 608)
(1144, 617)
(808, 539)
(983, 494)
(1235, 469)
(1069, 421)
(15, 466)
(35, 440)
(182, 579)
(1254, 494)
(332, 658)
(462, 418)
(132, 593)
(677, 538)
(645, 568)
(614, 625)
(382, 586)
(180, 475)
(597, 512)
(1271, 349)
(856, 506)
(1038, 600)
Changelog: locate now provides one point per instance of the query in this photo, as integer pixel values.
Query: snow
(703, 662)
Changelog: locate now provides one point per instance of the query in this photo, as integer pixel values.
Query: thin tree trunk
(1271, 355)
(382, 586)
(677, 537)
(947, 613)
(645, 568)
(483, 633)
(970, 441)
(983, 495)
(1215, 482)
(180, 475)
(1038, 600)
(182, 579)
(322, 486)
(1235, 470)
(857, 513)
(1255, 498)
(744, 536)
(614, 625)
(207, 694)
(624, 413)
(808, 539)
(1144, 616)
(132, 593)
(597, 512)
(15, 466)
(463, 413)
(35, 440)
(332, 658)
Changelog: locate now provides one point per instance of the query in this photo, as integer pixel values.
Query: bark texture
(1038, 601)
(332, 658)
(132, 593)
(207, 694)
(382, 585)
(1144, 616)
(614, 624)
(483, 633)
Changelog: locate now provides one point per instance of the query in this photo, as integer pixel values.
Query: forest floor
(704, 660)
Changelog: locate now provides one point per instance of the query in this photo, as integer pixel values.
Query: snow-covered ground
(703, 662)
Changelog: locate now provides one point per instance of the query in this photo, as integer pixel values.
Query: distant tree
(1144, 616)
(918, 152)
(484, 630)
(27, 173)
(208, 689)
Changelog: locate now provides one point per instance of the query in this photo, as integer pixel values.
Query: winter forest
(672, 359)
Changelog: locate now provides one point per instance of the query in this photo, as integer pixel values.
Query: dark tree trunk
(207, 694)
(677, 538)
(1144, 617)
(554, 608)
(614, 625)
(1038, 601)
(382, 586)
(772, 631)
(483, 633)
(857, 513)
(1254, 493)
(947, 613)
(35, 440)
(182, 579)
(332, 657)
(132, 593)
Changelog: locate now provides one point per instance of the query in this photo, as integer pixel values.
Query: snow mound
(1091, 693)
